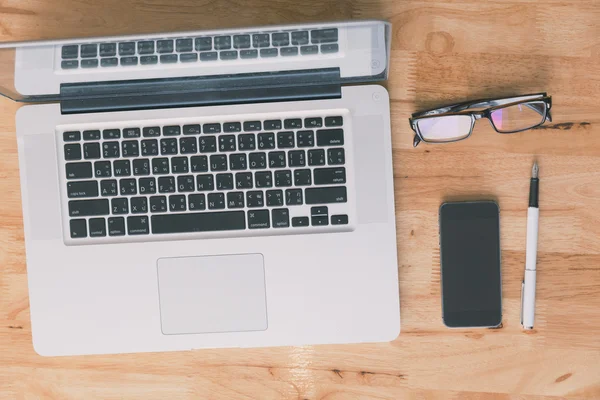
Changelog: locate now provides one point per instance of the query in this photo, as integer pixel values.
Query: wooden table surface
(442, 51)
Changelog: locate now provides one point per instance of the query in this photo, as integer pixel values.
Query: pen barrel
(533, 215)
(529, 299)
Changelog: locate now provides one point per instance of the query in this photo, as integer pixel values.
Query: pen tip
(535, 170)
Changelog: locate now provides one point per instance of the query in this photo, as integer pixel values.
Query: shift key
(326, 195)
(84, 208)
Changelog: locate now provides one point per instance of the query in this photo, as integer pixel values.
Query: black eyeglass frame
(490, 106)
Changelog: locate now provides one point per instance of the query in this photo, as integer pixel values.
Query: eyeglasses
(455, 122)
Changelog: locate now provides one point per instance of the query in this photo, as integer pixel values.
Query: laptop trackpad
(212, 294)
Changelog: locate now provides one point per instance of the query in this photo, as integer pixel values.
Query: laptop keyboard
(248, 46)
(272, 174)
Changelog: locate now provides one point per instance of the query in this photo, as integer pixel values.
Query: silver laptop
(207, 189)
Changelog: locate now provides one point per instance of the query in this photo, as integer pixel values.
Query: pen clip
(522, 289)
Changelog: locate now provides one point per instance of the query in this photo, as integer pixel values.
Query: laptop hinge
(196, 91)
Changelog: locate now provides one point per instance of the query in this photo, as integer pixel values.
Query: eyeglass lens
(519, 116)
(446, 128)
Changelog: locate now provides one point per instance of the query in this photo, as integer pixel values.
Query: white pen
(528, 285)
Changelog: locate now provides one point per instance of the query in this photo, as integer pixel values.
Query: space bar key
(198, 222)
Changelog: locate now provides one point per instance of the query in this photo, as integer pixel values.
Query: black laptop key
(274, 198)
(257, 160)
(69, 64)
(145, 47)
(72, 136)
(250, 126)
(246, 54)
(82, 189)
(91, 135)
(227, 143)
(164, 46)
(263, 179)
(108, 187)
(127, 186)
(109, 62)
(111, 134)
(85, 208)
(288, 51)
(243, 180)
(119, 206)
(258, 219)
(328, 35)
(330, 137)
(141, 167)
(110, 150)
(208, 144)
(168, 146)
(184, 45)
(97, 227)
(266, 140)
(127, 49)
(131, 133)
(299, 38)
(336, 156)
(211, 128)
(218, 162)
(102, 169)
(300, 221)
(329, 48)
(147, 185)
(261, 40)
(203, 43)
(308, 50)
(205, 182)
(166, 184)
(108, 49)
(326, 195)
(334, 121)
(72, 151)
(172, 130)
(79, 170)
(277, 159)
(224, 181)
(78, 228)
(241, 41)
(293, 197)
(186, 183)
(329, 176)
(273, 124)
(280, 217)
(71, 51)
(280, 39)
(237, 162)
(199, 163)
(130, 148)
(305, 138)
(91, 63)
(168, 58)
(139, 205)
(319, 220)
(216, 201)
(158, 204)
(179, 165)
(116, 226)
(122, 167)
(138, 225)
(177, 203)
(151, 131)
(285, 140)
(129, 61)
(302, 177)
(148, 60)
(246, 142)
(188, 145)
(222, 42)
(316, 157)
(255, 198)
(318, 211)
(339, 219)
(232, 127)
(89, 50)
(235, 200)
(313, 122)
(292, 123)
(191, 129)
(209, 56)
(196, 202)
(297, 158)
(267, 53)
(283, 178)
(199, 222)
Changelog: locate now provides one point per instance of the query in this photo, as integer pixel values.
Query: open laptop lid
(122, 69)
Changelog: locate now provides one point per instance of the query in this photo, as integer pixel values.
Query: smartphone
(470, 264)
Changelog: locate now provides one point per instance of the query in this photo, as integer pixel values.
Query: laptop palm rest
(212, 294)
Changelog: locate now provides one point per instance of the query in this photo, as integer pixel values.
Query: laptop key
(211, 128)
(273, 124)
(116, 226)
(329, 48)
(168, 146)
(128, 186)
(300, 221)
(302, 177)
(267, 53)
(177, 203)
(339, 219)
(243, 180)
(72, 136)
(158, 203)
(186, 183)
(110, 149)
(119, 206)
(188, 57)
(247, 54)
(166, 184)
(151, 131)
(261, 40)
(237, 162)
(198, 222)
(131, 133)
(121, 168)
(216, 201)
(71, 51)
(229, 127)
(222, 42)
(147, 185)
(164, 46)
(203, 43)
(199, 163)
(129, 61)
(145, 47)
(328, 35)
(250, 126)
(82, 189)
(299, 38)
(91, 135)
(305, 138)
(246, 142)
(292, 123)
(274, 198)
(91, 63)
(172, 130)
(326, 195)
(205, 182)
(89, 51)
(330, 137)
(130, 148)
(277, 159)
(280, 39)
(336, 156)
(288, 51)
(227, 143)
(334, 121)
(293, 197)
(148, 60)
(188, 145)
(109, 62)
(108, 49)
(179, 165)
(196, 202)
(69, 64)
(78, 228)
(296, 158)
(257, 160)
(127, 49)
(139, 205)
(209, 56)
(85, 208)
(241, 41)
(218, 162)
(283, 178)
(258, 219)
(108, 187)
(141, 167)
(308, 50)
(266, 140)
(263, 179)
(138, 225)
(316, 157)
(79, 170)
(72, 152)
(280, 217)
(313, 122)
(235, 200)
(102, 169)
(111, 133)
(224, 181)
(168, 58)
(285, 140)
(184, 45)
(329, 176)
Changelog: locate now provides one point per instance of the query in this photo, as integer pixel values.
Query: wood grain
(442, 51)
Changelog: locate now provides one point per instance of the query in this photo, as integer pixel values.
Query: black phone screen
(470, 264)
